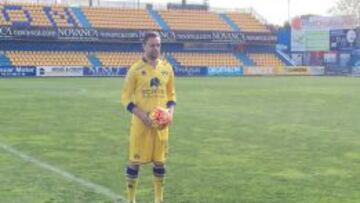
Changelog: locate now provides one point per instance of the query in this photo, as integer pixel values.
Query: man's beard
(153, 56)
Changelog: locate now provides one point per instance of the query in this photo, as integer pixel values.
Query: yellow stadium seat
(121, 18)
(207, 59)
(48, 58)
(265, 59)
(247, 22)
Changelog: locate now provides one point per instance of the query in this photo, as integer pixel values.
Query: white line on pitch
(95, 187)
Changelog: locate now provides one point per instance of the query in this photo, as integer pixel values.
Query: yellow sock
(131, 189)
(158, 189)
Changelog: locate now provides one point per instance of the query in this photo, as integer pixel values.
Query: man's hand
(171, 113)
(143, 116)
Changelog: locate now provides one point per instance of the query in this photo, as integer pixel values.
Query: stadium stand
(247, 23)
(265, 59)
(48, 58)
(194, 20)
(70, 53)
(35, 15)
(207, 59)
(127, 18)
(118, 58)
(125, 59)
(120, 18)
(4, 61)
(61, 16)
(3, 21)
(38, 16)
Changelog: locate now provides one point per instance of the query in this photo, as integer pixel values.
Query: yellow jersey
(147, 87)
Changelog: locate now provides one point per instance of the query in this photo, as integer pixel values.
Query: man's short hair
(148, 35)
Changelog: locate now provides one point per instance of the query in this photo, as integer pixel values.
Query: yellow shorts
(147, 144)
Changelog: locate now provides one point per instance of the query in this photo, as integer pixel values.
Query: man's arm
(127, 94)
(127, 98)
(142, 116)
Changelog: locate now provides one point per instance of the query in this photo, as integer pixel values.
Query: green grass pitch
(234, 140)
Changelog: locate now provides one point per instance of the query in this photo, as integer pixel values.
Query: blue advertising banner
(337, 70)
(17, 71)
(190, 71)
(355, 71)
(225, 71)
(105, 71)
(119, 35)
(343, 39)
(67, 34)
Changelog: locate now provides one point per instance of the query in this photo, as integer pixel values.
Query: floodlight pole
(289, 14)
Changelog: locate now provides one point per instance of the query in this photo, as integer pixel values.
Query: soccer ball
(160, 118)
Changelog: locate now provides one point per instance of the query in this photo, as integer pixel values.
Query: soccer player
(149, 83)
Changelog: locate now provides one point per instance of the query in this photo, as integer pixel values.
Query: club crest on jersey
(143, 72)
(154, 83)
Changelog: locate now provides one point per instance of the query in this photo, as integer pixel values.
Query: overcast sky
(274, 11)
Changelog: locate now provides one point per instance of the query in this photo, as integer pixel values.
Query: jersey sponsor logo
(164, 73)
(154, 93)
(154, 83)
(155, 89)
